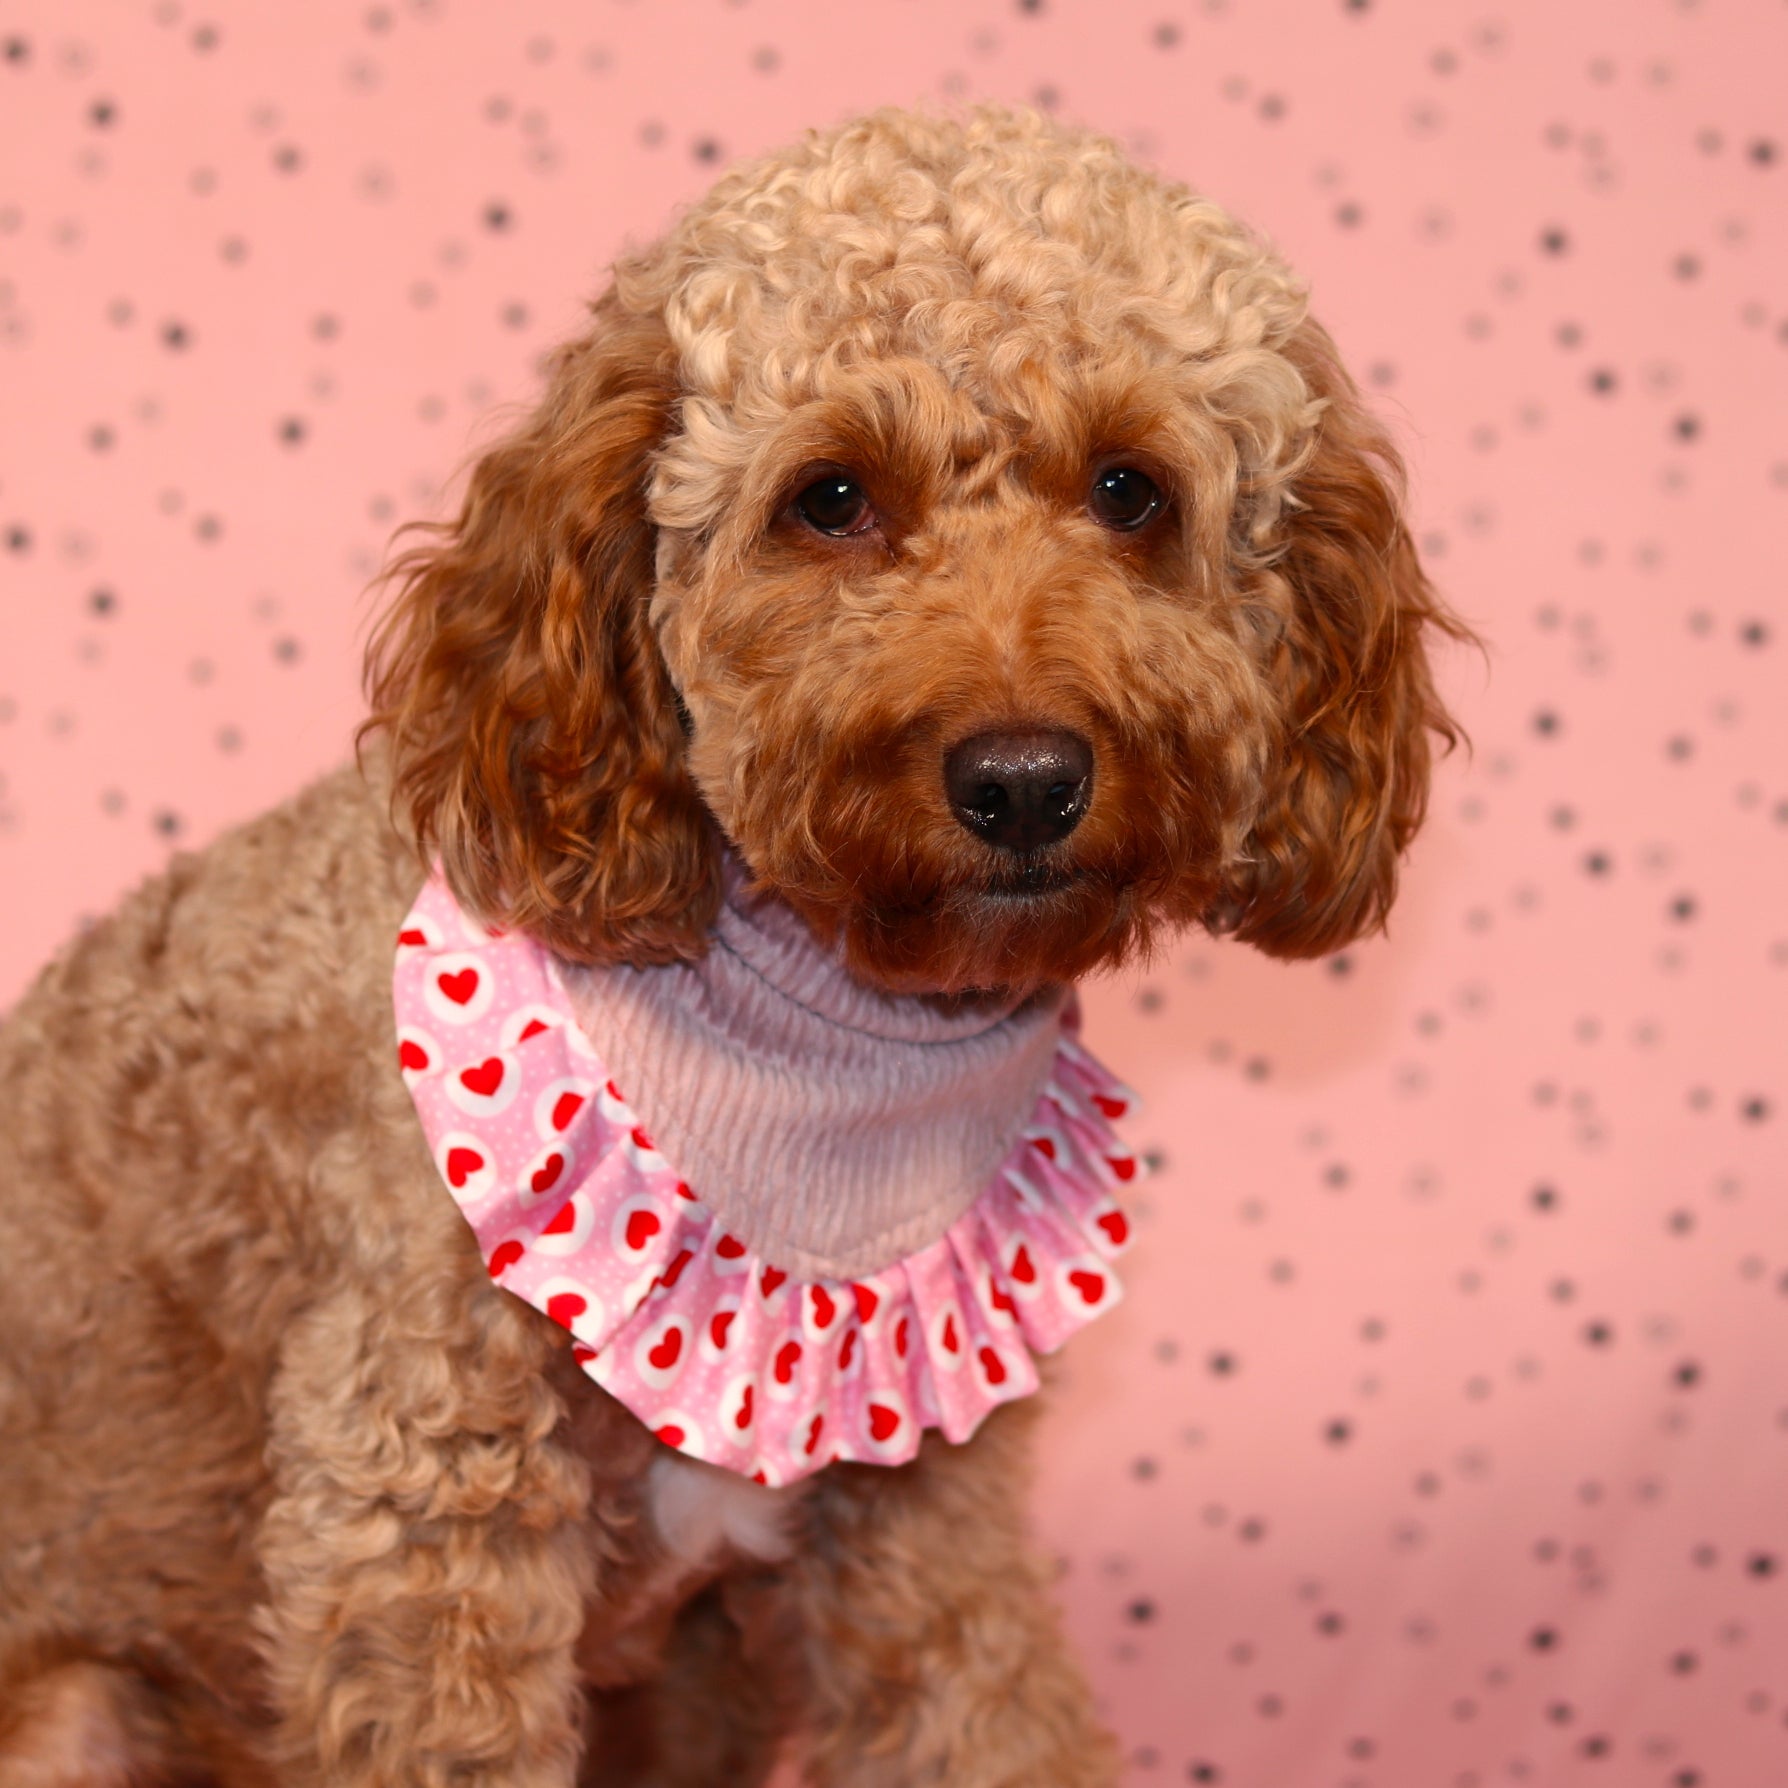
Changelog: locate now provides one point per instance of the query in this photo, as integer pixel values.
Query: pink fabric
(723, 1353)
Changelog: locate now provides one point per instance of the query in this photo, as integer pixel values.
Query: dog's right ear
(533, 732)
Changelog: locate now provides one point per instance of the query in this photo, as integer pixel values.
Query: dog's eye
(835, 505)
(1124, 498)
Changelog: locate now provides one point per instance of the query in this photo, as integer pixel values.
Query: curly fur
(288, 1491)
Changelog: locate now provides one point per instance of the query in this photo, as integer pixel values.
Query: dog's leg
(73, 1717)
(933, 1652)
(428, 1552)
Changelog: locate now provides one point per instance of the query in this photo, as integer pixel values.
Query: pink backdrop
(1443, 1442)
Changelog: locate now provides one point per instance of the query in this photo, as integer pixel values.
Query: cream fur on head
(973, 534)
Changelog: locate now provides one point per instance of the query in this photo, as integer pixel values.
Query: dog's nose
(1020, 791)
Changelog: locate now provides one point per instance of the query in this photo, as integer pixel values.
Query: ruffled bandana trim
(719, 1352)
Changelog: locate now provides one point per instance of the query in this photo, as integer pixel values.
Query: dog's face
(973, 530)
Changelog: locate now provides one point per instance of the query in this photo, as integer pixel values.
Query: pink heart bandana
(721, 1353)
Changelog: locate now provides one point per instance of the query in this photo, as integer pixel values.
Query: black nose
(1020, 791)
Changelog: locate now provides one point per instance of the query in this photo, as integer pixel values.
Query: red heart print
(993, 1366)
(824, 1308)
(641, 1227)
(565, 1108)
(742, 1420)
(718, 1324)
(786, 1357)
(1045, 1146)
(613, 1091)
(411, 936)
(1000, 1301)
(729, 1247)
(770, 1278)
(1091, 1286)
(1023, 1269)
(1113, 1108)
(669, 1349)
(546, 1175)
(462, 1163)
(1116, 1226)
(951, 1344)
(813, 1434)
(503, 1255)
(900, 1337)
(485, 1078)
(533, 1028)
(564, 1220)
(1124, 1166)
(459, 987)
(412, 1056)
(684, 1192)
(582, 1354)
(846, 1348)
(640, 1139)
(883, 1421)
(566, 1308)
(670, 1434)
(674, 1271)
(868, 1301)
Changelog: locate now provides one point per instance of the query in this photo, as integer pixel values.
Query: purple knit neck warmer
(832, 1127)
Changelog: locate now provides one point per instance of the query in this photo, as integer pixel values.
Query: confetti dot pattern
(1441, 1441)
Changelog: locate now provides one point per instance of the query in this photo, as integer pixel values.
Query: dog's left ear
(1347, 785)
(533, 732)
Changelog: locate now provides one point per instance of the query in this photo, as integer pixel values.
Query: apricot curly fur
(533, 730)
(289, 1491)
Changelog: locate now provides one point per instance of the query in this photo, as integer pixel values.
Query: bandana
(687, 1309)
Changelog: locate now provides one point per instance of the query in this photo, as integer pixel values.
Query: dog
(951, 561)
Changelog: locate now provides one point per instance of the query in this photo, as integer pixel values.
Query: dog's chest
(704, 1515)
(698, 1524)
(689, 1519)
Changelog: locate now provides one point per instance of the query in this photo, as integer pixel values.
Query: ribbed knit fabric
(832, 1128)
(710, 1339)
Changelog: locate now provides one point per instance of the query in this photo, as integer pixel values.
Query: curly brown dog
(973, 537)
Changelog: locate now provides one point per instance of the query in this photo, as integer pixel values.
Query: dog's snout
(1020, 790)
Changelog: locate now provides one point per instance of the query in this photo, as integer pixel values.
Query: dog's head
(972, 529)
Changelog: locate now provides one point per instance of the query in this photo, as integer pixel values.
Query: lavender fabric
(832, 1127)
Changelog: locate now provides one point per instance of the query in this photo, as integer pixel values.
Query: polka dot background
(1443, 1441)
